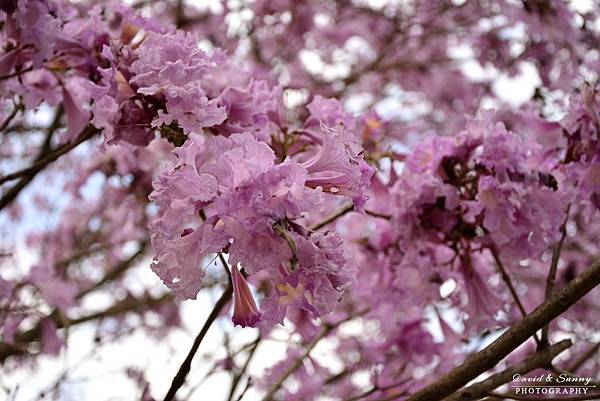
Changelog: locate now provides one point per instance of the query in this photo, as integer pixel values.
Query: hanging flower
(245, 312)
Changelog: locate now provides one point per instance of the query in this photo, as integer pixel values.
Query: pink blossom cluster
(237, 193)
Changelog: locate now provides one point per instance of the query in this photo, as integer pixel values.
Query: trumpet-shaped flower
(245, 311)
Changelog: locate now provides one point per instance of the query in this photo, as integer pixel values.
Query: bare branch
(327, 328)
(508, 281)
(184, 369)
(552, 273)
(273, 389)
(377, 214)
(50, 157)
(126, 305)
(333, 217)
(343, 211)
(376, 388)
(29, 173)
(10, 117)
(236, 379)
(243, 393)
(116, 271)
(15, 74)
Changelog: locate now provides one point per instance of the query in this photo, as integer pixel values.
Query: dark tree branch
(343, 211)
(115, 272)
(12, 115)
(507, 280)
(377, 214)
(375, 389)
(126, 305)
(243, 393)
(54, 126)
(327, 328)
(15, 74)
(34, 334)
(184, 369)
(225, 267)
(333, 217)
(179, 14)
(50, 157)
(28, 174)
(273, 389)
(489, 357)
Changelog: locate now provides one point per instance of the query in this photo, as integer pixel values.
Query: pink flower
(339, 169)
(245, 312)
(51, 342)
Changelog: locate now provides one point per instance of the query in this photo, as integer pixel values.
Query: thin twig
(54, 126)
(331, 218)
(343, 211)
(508, 281)
(14, 74)
(377, 214)
(225, 266)
(326, 330)
(273, 389)
(115, 272)
(243, 393)
(344, 373)
(224, 263)
(550, 281)
(52, 156)
(236, 379)
(375, 389)
(184, 369)
(29, 173)
(126, 305)
(12, 115)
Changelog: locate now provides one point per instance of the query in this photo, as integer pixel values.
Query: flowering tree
(348, 172)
